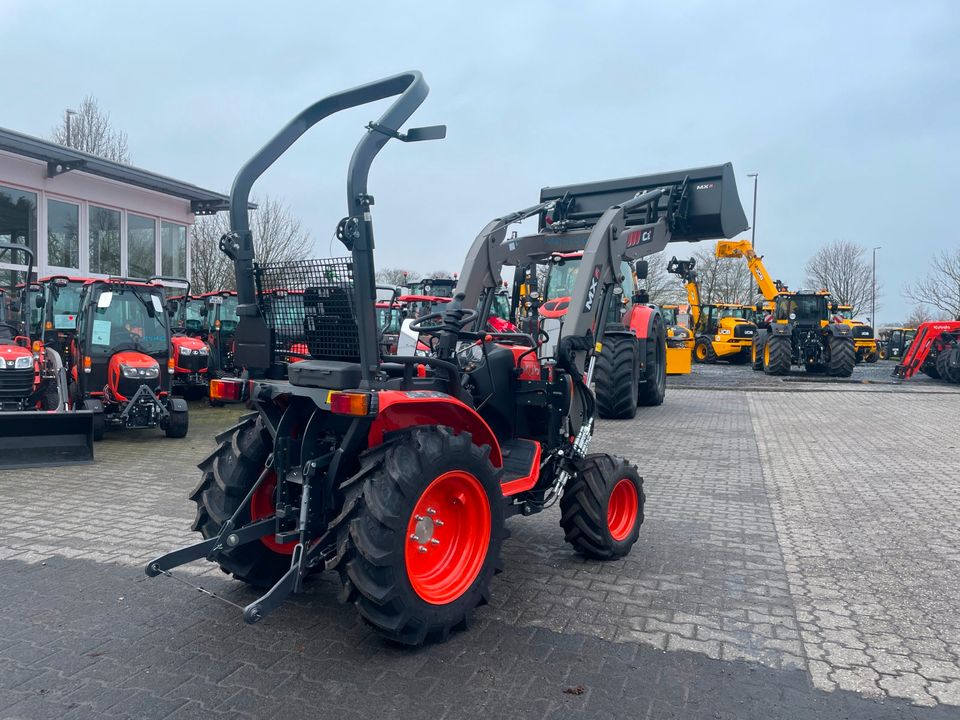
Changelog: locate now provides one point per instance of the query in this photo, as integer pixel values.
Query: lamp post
(753, 223)
(69, 113)
(873, 292)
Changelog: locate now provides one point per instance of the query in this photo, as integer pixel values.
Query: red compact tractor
(38, 423)
(399, 471)
(190, 354)
(122, 346)
(935, 351)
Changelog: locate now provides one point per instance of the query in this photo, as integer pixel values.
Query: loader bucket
(711, 211)
(40, 439)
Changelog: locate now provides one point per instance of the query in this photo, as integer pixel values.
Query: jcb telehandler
(864, 343)
(801, 331)
(894, 342)
(398, 471)
(722, 330)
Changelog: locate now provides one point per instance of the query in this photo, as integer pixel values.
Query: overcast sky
(848, 111)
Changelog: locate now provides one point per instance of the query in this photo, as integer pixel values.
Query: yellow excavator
(801, 331)
(722, 330)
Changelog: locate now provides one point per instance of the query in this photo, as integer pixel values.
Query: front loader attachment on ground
(38, 439)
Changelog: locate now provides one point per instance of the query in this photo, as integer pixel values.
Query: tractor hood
(10, 354)
(188, 343)
(128, 370)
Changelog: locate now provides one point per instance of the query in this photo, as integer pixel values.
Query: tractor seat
(329, 374)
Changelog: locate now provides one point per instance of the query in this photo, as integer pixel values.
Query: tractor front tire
(777, 353)
(703, 350)
(843, 356)
(654, 388)
(756, 351)
(177, 424)
(422, 530)
(99, 426)
(602, 508)
(943, 365)
(228, 475)
(616, 377)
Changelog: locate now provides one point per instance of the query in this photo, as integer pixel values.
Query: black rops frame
(355, 231)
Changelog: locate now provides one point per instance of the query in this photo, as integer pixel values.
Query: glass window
(173, 249)
(18, 221)
(104, 241)
(141, 246)
(63, 234)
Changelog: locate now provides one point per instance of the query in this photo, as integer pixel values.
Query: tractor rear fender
(780, 329)
(93, 404)
(639, 322)
(400, 409)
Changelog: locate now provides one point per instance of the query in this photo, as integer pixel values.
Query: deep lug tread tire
(584, 505)
(616, 378)
(707, 356)
(228, 474)
(372, 536)
(942, 364)
(843, 356)
(654, 388)
(759, 340)
(777, 355)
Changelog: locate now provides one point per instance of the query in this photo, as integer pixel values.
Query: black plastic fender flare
(177, 405)
(838, 330)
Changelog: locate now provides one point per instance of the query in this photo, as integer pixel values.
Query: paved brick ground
(800, 558)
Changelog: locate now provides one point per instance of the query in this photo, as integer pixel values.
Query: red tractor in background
(122, 346)
(55, 321)
(220, 321)
(399, 471)
(38, 423)
(190, 354)
(935, 351)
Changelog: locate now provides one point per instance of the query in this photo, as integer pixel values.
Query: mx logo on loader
(592, 292)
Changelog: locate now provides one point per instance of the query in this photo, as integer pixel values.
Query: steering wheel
(465, 318)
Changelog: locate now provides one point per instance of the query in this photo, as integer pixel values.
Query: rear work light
(349, 403)
(228, 389)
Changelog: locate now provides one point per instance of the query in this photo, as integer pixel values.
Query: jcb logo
(592, 290)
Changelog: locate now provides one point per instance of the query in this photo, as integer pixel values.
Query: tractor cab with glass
(123, 342)
(188, 351)
(55, 318)
(221, 319)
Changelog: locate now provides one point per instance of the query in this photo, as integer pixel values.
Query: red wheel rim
(447, 537)
(264, 505)
(622, 510)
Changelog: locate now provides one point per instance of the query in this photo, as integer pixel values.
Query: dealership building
(86, 216)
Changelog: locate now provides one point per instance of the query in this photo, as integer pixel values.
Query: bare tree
(842, 268)
(940, 288)
(662, 287)
(91, 132)
(396, 276)
(919, 316)
(439, 274)
(722, 280)
(278, 236)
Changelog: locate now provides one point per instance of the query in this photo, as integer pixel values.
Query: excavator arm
(743, 249)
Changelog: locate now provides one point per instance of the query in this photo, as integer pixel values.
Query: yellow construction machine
(722, 330)
(678, 321)
(864, 342)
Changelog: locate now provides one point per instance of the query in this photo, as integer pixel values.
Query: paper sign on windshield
(65, 322)
(101, 332)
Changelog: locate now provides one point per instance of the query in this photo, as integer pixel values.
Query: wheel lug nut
(434, 541)
(437, 522)
(415, 537)
(431, 511)
(418, 518)
(421, 549)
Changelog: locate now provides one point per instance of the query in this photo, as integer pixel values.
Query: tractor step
(33, 438)
(521, 465)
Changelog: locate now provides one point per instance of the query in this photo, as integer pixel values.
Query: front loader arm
(743, 249)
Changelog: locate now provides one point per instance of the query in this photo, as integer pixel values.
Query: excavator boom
(743, 249)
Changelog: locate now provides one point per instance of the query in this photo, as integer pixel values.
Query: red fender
(399, 409)
(639, 319)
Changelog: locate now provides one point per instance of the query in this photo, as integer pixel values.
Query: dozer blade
(40, 439)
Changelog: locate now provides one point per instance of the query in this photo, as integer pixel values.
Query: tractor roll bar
(25, 306)
(356, 230)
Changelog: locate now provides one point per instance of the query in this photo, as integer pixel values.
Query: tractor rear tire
(930, 370)
(228, 475)
(777, 353)
(884, 353)
(177, 424)
(756, 351)
(421, 535)
(654, 388)
(602, 508)
(616, 377)
(843, 356)
(943, 365)
(703, 351)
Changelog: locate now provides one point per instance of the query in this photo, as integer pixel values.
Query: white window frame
(51, 269)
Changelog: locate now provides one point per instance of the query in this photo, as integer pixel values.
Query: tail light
(349, 403)
(87, 364)
(171, 363)
(227, 389)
